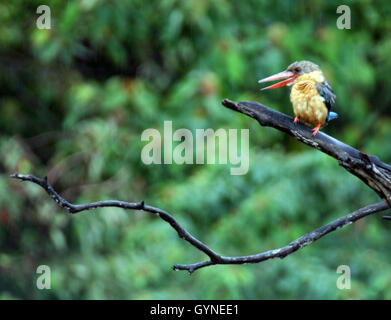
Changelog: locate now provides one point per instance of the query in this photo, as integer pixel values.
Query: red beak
(287, 75)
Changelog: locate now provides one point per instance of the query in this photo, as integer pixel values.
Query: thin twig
(214, 257)
(72, 208)
(294, 245)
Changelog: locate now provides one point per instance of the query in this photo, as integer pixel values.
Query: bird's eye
(298, 69)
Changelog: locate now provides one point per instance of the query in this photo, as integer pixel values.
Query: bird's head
(296, 69)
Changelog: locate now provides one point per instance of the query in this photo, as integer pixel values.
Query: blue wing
(327, 93)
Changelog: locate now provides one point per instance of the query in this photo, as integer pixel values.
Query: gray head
(302, 67)
(295, 70)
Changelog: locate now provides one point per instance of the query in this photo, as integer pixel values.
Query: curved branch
(73, 208)
(214, 257)
(375, 173)
(294, 245)
(369, 169)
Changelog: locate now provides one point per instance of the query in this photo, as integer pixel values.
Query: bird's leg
(316, 129)
(297, 119)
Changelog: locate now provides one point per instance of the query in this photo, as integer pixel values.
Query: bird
(311, 95)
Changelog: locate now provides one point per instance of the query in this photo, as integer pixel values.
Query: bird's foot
(316, 129)
(297, 119)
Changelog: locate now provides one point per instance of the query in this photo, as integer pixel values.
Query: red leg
(316, 129)
(297, 119)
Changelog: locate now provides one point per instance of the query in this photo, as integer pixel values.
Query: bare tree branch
(374, 173)
(294, 245)
(72, 208)
(214, 257)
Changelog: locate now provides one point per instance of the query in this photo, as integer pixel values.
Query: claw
(316, 129)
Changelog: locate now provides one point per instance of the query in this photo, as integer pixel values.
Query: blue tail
(331, 116)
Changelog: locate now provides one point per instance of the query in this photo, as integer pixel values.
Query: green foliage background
(75, 100)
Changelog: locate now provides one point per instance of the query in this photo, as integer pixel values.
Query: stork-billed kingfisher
(311, 94)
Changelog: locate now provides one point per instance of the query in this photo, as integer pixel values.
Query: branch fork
(372, 171)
